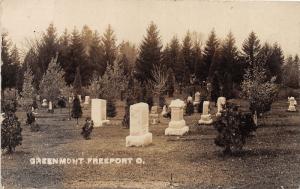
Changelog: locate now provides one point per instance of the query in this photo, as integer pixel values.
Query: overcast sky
(272, 21)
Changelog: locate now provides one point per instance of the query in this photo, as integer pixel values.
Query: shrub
(87, 128)
(76, 109)
(189, 108)
(61, 103)
(162, 101)
(260, 92)
(111, 108)
(11, 132)
(233, 128)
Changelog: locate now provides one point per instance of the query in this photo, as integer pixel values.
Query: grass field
(271, 159)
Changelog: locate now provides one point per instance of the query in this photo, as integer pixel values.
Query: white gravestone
(292, 104)
(190, 99)
(139, 126)
(154, 117)
(205, 117)
(164, 110)
(79, 96)
(220, 103)
(86, 100)
(177, 124)
(98, 112)
(197, 98)
(44, 104)
(50, 106)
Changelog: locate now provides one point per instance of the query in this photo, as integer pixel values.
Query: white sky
(272, 21)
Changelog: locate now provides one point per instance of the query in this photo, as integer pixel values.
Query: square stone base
(101, 123)
(196, 103)
(292, 109)
(176, 131)
(205, 119)
(142, 140)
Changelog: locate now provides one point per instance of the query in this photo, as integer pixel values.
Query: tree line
(187, 62)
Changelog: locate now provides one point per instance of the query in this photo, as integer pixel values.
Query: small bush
(34, 127)
(87, 129)
(76, 109)
(61, 103)
(162, 101)
(189, 108)
(111, 108)
(233, 128)
(11, 132)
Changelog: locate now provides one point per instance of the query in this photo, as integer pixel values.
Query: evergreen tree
(291, 72)
(186, 51)
(96, 54)
(110, 48)
(11, 131)
(111, 108)
(52, 83)
(212, 45)
(28, 91)
(276, 62)
(251, 48)
(77, 58)
(198, 62)
(228, 66)
(77, 83)
(10, 63)
(86, 37)
(128, 57)
(170, 82)
(150, 54)
(76, 109)
(64, 48)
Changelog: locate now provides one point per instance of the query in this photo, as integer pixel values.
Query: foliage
(233, 128)
(126, 118)
(61, 102)
(291, 73)
(87, 128)
(77, 82)
(11, 132)
(111, 108)
(28, 91)
(76, 108)
(211, 46)
(162, 101)
(34, 127)
(189, 108)
(251, 49)
(53, 82)
(170, 82)
(158, 84)
(150, 54)
(259, 91)
(110, 84)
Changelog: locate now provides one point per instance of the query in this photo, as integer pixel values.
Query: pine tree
(77, 83)
(128, 56)
(53, 82)
(28, 91)
(110, 48)
(291, 72)
(11, 132)
(64, 48)
(11, 63)
(229, 68)
(86, 37)
(186, 51)
(170, 82)
(76, 109)
(198, 62)
(111, 108)
(212, 45)
(276, 62)
(77, 58)
(96, 54)
(150, 54)
(251, 48)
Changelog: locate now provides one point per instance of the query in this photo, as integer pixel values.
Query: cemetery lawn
(270, 159)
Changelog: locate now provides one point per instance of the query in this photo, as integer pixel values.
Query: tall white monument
(177, 124)
(139, 126)
(98, 112)
(197, 98)
(205, 117)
